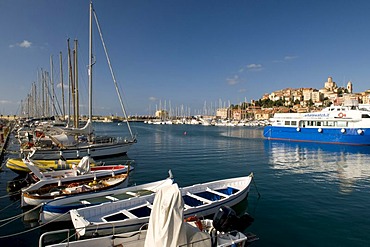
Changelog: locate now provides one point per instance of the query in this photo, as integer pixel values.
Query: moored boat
(77, 142)
(46, 181)
(57, 210)
(18, 166)
(346, 124)
(167, 227)
(47, 193)
(130, 214)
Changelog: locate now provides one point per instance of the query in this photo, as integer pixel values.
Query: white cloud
(23, 44)
(290, 57)
(152, 98)
(254, 67)
(234, 80)
(65, 86)
(242, 90)
(5, 101)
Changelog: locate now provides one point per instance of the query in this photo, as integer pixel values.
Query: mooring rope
(255, 185)
(8, 207)
(11, 194)
(34, 228)
(67, 239)
(11, 219)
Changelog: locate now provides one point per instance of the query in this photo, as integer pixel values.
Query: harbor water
(310, 194)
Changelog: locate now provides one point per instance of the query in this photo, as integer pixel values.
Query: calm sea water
(311, 195)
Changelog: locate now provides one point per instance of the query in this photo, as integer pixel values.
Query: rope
(8, 207)
(34, 228)
(11, 194)
(67, 239)
(11, 219)
(254, 182)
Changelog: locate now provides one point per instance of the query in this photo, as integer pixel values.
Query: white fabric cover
(165, 222)
(83, 166)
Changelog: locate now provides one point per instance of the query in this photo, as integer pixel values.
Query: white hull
(56, 210)
(119, 216)
(94, 150)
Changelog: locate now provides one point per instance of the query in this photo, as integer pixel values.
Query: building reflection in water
(324, 162)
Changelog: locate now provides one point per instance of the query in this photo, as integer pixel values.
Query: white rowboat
(130, 214)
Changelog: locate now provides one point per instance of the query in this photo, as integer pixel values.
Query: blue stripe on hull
(332, 135)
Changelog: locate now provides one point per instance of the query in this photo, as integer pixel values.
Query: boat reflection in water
(325, 162)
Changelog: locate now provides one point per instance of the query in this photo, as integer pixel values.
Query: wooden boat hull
(130, 214)
(34, 198)
(45, 185)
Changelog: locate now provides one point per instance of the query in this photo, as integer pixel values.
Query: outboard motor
(226, 220)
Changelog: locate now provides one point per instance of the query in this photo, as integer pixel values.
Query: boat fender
(298, 129)
(343, 131)
(360, 131)
(320, 130)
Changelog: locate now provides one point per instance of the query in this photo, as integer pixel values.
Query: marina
(311, 194)
(228, 99)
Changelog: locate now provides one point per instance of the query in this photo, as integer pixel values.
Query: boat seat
(113, 199)
(199, 198)
(84, 202)
(131, 193)
(216, 192)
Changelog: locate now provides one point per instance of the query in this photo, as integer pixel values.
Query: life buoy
(341, 114)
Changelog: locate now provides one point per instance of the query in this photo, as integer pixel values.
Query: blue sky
(185, 53)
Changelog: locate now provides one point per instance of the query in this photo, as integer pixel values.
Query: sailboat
(78, 142)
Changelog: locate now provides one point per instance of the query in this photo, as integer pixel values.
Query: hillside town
(285, 100)
(294, 100)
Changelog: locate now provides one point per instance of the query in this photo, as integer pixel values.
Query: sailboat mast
(77, 111)
(90, 68)
(61, 82)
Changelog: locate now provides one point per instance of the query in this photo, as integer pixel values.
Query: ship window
(287, 123)
(294, 123)
(318, 123)
(311, 123)
(328, 123)
(342, 124)
(365, 116)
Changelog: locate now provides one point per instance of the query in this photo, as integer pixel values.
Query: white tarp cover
(166, 223)
(63, 139)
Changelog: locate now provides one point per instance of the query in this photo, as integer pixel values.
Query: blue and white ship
(346, 124)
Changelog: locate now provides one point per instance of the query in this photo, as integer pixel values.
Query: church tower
(349, 87)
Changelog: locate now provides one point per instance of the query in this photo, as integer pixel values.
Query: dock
(4, 137)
